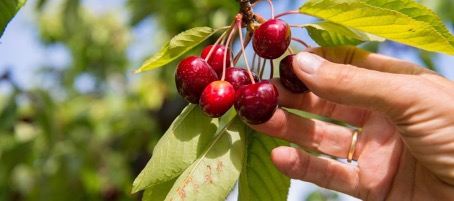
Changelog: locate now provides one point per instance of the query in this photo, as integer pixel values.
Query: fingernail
(308, 62)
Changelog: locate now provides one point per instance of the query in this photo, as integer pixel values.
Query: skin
(405, 150)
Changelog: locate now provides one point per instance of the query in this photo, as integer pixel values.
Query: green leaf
(214, 174)
(177, 46)
(261, 180)
(404, 21)
(331, 34)
(178, 148)
(158, 192)
(8, 10)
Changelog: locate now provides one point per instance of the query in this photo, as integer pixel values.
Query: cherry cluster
(212, 80)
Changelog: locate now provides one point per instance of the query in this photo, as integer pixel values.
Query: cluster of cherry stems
(212, 82)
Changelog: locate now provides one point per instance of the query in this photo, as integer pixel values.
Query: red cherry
(271, 39)
(217, 98)
(256, 103)
(192, 75)
(288, 77)
(239, 77)
(217, 57)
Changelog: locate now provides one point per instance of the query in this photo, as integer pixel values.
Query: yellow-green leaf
(214, 174)
(178, 148)
(404, 21)
(177, 46)
(8, 10)
(330, 34)
(260, 180)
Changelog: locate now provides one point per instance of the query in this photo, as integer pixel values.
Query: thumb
(349, 85)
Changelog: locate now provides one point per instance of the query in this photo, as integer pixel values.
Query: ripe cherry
(216, 59)
(288, 77)
(271, 39)
(239, 77)
(256, 103)
(217, 98)
(192, 75)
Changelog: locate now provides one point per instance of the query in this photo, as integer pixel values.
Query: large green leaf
(261, 180)
(214, 174)
(8, 9)
(177, 46)
(178, 148)
(331, 34)
(404, 21)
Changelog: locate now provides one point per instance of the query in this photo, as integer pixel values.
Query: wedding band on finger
(355, 135)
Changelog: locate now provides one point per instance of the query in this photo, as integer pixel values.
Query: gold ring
(353, 145)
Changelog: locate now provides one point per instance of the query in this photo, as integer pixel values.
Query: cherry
(288, 77)
(256, 103)
(217, 57)
(192, 75)
(271, 39)
(239, 77)
(217, 98)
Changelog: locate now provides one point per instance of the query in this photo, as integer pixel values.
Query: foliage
(179, 45)
(59, 141)
(403, 21)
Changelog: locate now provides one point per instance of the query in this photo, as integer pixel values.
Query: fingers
(364, 59)
(372, 61)
(311, 134)
(323, 172)
(311, 103)
(352, 86)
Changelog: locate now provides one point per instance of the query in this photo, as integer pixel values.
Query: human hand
(405, 150)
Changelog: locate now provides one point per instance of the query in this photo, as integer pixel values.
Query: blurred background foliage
(63, 142)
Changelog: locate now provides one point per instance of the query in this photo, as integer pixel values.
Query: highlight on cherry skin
(192, 75)
(271, 39)
(217, 98)
(216, 60)
(256, 103)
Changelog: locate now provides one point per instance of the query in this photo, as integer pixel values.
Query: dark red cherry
(217, 98)
(217, 57)
(239, 77)
(271, 39)
(288, 77)
(256, 103)
(192, 75)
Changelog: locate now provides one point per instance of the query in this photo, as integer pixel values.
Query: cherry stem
(255, 3)
(291, 50)
(231, 55)
(238, 21)
(287, 13)
(214, 45)
(301, 41)
(262, 69)
(245, 44)
(253, 61)
(272, 69)
(218, 41)
(229, 39)
(272, 8)
(259, 18)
